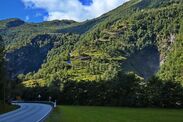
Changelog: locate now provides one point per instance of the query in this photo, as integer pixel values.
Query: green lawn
(6, 108)
(112, 114)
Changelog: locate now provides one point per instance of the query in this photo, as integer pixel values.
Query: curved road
(28, 112)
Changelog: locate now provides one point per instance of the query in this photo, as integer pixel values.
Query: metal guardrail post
(55, 104)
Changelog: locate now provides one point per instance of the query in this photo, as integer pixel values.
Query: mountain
(140, 36)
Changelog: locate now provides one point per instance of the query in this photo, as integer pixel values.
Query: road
(28, 112)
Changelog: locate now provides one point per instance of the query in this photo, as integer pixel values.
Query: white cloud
(73, 9)
(27, 18)
(38, 15)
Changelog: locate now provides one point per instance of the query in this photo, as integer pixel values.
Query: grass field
(112, 114)
(6, 108)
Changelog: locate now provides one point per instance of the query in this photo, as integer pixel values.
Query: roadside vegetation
(6, 107)
(4, 84)
(125, 90)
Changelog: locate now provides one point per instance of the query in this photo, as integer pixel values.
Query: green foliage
(124, 90)
(172, 68)
(6, 108)
(22, 34)
(2, 82)
(5, 83)
(105, 45)
(124, 37)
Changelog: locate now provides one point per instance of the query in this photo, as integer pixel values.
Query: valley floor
(114, 114)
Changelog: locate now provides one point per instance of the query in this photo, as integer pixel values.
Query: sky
(47, 10)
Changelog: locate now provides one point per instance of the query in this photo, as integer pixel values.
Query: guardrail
(53, 104)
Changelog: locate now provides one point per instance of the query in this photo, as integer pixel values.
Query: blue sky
(45, 10)
(16, 9)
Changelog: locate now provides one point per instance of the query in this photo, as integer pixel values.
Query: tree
(2, 82)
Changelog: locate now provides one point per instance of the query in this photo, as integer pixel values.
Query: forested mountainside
(141, 36)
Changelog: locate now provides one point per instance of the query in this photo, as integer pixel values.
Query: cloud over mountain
(73, 9)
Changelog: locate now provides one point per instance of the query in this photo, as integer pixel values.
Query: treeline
(125, 90)
(4, 82)
(1, 68)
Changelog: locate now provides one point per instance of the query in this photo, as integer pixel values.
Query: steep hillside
(140, 36)
(139, 43)
(154, 23)
(27, 44)
(20, 34)
(172, 69)
(29, 58)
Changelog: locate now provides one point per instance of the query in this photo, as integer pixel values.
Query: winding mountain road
(28, 112)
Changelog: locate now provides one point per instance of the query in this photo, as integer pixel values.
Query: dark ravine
(145, 62)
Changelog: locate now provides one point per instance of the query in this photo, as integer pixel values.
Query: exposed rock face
(145, 62)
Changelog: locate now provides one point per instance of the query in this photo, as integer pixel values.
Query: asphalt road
(28, 112)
